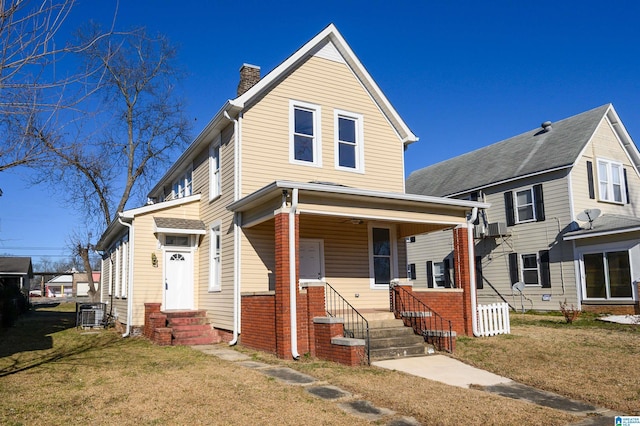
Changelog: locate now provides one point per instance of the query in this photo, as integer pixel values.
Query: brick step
(201, 340)
(185, 314)
(398, 352)
(179, 334)
(179, 321)
(396, 342)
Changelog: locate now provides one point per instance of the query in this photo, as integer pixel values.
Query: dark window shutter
(474, 196)
(592, 189)
(626, 185)
(513, 268)
(479, 278)
(508, 206)
(539, 202)
(429, 274)
(545, 271)
(412, 271)
(447, 274)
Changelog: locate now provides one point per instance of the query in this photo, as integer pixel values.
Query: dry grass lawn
(589, 360)
(51, 373)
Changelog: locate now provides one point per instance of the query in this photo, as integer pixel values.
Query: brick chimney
(249, 76)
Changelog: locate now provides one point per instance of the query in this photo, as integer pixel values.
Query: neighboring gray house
(539, 185)
(16, 271)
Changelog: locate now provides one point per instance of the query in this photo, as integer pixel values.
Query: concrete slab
(365, 409)
(328, 392)
(622, 319)
(404, 421)
(221, 352)
(443, 369)
(289, 376)
(540, 397)
(254, 364)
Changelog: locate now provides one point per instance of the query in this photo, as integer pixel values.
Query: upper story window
(611, 183)
(525, 205)
(182, 186)
(304, 129)
(348, 140)
(215, 187)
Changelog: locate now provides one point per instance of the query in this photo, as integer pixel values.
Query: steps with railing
(355, 325)
(421, 318)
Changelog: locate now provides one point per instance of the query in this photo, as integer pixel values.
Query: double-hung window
(215, 246)
(611, 182)
(525, 211)
(348, 141)
(215, 188)
(530, 272)
(304, 129)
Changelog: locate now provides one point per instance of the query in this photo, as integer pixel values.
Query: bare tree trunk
(83, 252)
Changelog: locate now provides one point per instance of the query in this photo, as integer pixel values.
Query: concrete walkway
(439, 368)
(450, 371)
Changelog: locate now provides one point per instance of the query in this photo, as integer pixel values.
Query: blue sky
(462, 74)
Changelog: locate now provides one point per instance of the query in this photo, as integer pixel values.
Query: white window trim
(317, 137)
(215, 182)
(186, 183)
(125, 268)
(433, 275)
(359, 150)
(533, 205)
(215, 274)
(609, 181)
(394, 254)
(118, 272)
(110, 274)
(521, 262)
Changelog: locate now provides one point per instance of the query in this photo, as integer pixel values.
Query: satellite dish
(589, 215)
(519, 286)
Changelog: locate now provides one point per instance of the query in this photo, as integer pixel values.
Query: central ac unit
(497, 229)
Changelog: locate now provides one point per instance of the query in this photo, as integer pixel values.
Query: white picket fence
(493, 319)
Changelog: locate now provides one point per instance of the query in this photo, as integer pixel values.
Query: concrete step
(387, 323)
(381, 333)
(398, 352)
(396, 342)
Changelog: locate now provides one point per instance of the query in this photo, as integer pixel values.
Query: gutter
(130, 289)
(472, 271)
(292, 274)
(236, 230)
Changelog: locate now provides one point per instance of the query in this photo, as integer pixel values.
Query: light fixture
(355, 221)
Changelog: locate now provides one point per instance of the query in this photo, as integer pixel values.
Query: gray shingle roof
(608, 223)
(12, 264)
(176, 223)
(530, 152)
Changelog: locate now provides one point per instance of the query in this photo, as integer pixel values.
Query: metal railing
(425, 321)
(355, 325)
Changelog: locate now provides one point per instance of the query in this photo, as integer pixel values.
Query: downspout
(292, 274)
(236, 230)
(472, 271)
(130, 279)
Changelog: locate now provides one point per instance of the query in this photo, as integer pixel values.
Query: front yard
(51, 373)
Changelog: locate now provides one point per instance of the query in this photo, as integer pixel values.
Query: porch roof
(337, 200)
(172, 225)
(607, 224)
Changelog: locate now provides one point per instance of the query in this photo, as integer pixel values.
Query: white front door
(178, 281)
(311, 253)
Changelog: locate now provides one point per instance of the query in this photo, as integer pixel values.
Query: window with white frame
(611, 181)
(348, 140)
(125, 268)
(215, 188)
(529, 269)
(118, 272)
(215, 270)
(304, 130)
(439, 274)
(524, 202)
(182, 186)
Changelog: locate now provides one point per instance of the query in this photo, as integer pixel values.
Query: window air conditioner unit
(497, 229)
(479, 231)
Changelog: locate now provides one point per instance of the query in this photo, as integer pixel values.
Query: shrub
(570, 312)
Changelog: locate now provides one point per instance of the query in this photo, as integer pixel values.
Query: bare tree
(29, 87)
(141, 123)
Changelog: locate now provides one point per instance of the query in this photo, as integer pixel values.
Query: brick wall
(448, 303)
(259, 322)
(463, 276)
(351, 355)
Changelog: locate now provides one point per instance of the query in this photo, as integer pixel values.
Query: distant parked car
(35, 293)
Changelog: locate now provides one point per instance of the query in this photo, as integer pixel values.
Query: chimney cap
(245, 65)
